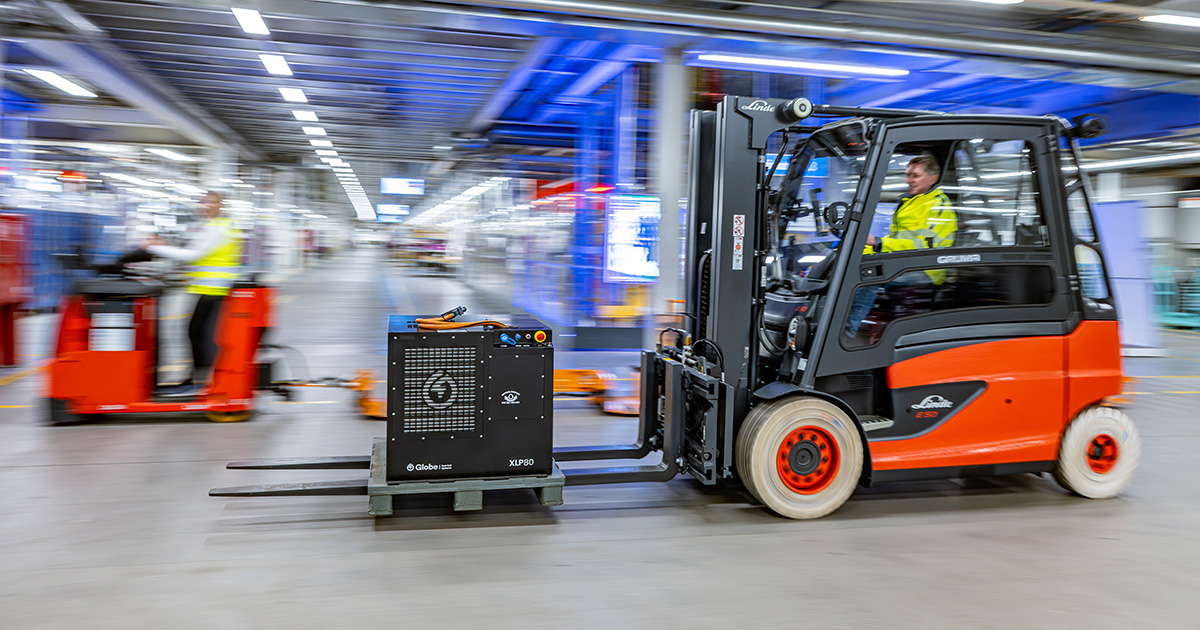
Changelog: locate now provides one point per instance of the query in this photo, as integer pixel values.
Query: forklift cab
(971, 354)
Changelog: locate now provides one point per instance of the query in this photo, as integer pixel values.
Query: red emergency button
(539, 336)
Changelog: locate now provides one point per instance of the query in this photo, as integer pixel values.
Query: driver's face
(919, 181)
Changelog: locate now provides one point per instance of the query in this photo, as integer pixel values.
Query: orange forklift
(811, 362)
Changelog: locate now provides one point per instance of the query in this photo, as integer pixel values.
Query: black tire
(57, 414)
(801, 456)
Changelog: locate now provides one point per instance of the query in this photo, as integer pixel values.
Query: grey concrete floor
(108, 525)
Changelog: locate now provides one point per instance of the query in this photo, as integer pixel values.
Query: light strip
(293, 95)
(171, 155)
(1190, 156)
(1176, 20)
(61, 83)
(251, 21)
(327, 152)
(314, 131)
(324, 144)
(802, 65)
(304, 116)
(276, 64)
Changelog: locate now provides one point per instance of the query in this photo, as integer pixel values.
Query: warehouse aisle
(108, 525)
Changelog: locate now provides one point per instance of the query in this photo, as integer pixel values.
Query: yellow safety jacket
(214, 274)
(922, 221)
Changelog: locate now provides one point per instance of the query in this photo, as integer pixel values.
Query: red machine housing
(14, 288)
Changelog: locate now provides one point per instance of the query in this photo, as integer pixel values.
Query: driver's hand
(871, 240)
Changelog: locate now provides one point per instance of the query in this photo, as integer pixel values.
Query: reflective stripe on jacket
(215, 273)
(922, 221)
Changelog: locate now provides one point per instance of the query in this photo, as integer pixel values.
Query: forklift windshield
(825, 168)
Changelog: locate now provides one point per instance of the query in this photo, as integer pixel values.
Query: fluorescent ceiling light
(61, 83)
(276, 64)
(314, 131)
(1190, 156)
(262, 192)
(242, 185)
(327, 152)
(136, 181)
(251, 21)
(329, 160)
(321, 143)
(803, 65)
(231, 180)
(293, 95)
(304, 116)
(1177, 20)
(171, 155)
(335, 162)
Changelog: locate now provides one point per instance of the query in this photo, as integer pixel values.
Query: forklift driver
(214, 254)
(924, 219)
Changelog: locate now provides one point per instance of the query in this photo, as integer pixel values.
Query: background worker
(923, 220)
(214, 254)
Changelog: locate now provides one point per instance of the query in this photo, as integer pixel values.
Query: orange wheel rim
(807, 460)
(1102, 453)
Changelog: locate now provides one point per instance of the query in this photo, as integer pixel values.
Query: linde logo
(933, 402)
(510, 397)
(965, 258)
(439, 390)
(423, 467)
(758, 106)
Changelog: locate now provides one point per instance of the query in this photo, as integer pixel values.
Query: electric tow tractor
(107, 353)
(813, 360)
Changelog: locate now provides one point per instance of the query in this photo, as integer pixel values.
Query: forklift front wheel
(228, 416)
(800, 456)
(1100, 451)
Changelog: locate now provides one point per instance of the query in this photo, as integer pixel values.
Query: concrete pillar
(1108, 186)
(667, 180)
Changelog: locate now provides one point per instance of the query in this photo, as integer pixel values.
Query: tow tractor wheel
(228, 416)
(802, 457)
(57, 414)
(1100, 451)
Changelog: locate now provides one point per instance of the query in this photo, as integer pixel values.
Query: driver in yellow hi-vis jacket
(214, 255)
(925, 219)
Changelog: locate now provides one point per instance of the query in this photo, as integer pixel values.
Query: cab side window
(997, 199)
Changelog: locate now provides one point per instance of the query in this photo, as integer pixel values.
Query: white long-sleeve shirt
(208, 239)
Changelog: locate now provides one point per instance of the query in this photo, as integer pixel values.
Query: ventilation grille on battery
(439, 389)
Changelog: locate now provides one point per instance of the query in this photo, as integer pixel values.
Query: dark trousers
(202, 330)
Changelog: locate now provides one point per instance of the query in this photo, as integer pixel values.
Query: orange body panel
(1034, 387)
(1094, 358)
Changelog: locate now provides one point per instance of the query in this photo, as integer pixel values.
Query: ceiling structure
(502, 87)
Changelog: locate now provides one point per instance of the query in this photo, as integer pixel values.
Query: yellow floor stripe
(15, 406)
(284, 299)
(179, 316)
(12, 378)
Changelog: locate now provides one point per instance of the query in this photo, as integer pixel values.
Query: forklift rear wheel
(802, 457)
(228, 416)
(1100, 451)
(57, 414)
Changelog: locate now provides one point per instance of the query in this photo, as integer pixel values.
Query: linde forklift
(812, 362)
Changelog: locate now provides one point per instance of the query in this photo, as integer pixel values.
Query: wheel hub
(808, 460)
(1102, 453)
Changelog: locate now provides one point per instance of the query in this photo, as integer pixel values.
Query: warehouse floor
(109, 525)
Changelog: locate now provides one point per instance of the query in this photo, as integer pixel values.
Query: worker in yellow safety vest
(213, 254)
(924, 219)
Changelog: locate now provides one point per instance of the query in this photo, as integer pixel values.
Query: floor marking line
(12, 378)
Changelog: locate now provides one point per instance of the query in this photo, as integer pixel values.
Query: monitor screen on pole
(631, 231)
(401, 186)
(391, 208)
